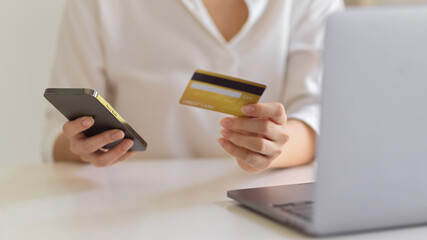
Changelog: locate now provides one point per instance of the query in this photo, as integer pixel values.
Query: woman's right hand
(89, 149)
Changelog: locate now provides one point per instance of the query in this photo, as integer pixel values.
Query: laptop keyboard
(303, 209)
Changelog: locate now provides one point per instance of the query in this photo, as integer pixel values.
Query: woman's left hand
(257, 140)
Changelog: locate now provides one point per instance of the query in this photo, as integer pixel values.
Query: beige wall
(28, 30)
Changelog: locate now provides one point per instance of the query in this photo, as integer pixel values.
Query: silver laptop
(372, 151)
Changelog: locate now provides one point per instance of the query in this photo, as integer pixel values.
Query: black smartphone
(78, 102)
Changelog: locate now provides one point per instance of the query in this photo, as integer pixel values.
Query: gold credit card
(221, 93)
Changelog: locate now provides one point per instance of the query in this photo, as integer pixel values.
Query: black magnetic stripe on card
(228, 83)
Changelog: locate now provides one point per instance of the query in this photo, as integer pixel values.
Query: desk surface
(144, 199)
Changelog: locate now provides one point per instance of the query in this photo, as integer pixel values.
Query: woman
(140, 55)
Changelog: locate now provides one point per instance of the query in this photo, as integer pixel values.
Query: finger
(257, 126)
(94, 143)
(253, 143)
(101, 159)
(247, 167)
(128, 155)
(274, 111)
(248, 161)
(72, 128)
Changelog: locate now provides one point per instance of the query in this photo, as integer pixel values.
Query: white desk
(140, 199)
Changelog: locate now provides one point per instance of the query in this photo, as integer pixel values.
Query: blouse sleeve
(304, 64)
(78, 64)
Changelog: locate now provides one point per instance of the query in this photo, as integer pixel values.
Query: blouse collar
(196, 7)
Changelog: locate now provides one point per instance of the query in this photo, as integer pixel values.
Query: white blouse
(140, 55)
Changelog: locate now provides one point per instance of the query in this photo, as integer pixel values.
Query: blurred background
(382, 2)
(28, 34)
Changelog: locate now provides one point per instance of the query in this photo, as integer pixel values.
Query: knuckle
(66, 129)
(70, 128)
(118, 152)
(86, 147)
(106, 138)
(239, 123)
(283, 137)
(266, 164)
(256, 162)
(245, 166)
(243, 156)
(277, 152)
(230, 149)
(261, 165)
(251, 159)
(261, 145)
(264, 126)
(73, 149)
(111, 156)
(280, 108)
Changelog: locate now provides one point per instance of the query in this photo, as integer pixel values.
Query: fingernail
(126, 145)
(87, 122)
(248, 109)
(227, 123)
(117, 135)
(226, 133)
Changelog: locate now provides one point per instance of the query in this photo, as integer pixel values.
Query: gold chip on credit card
(221, 93)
